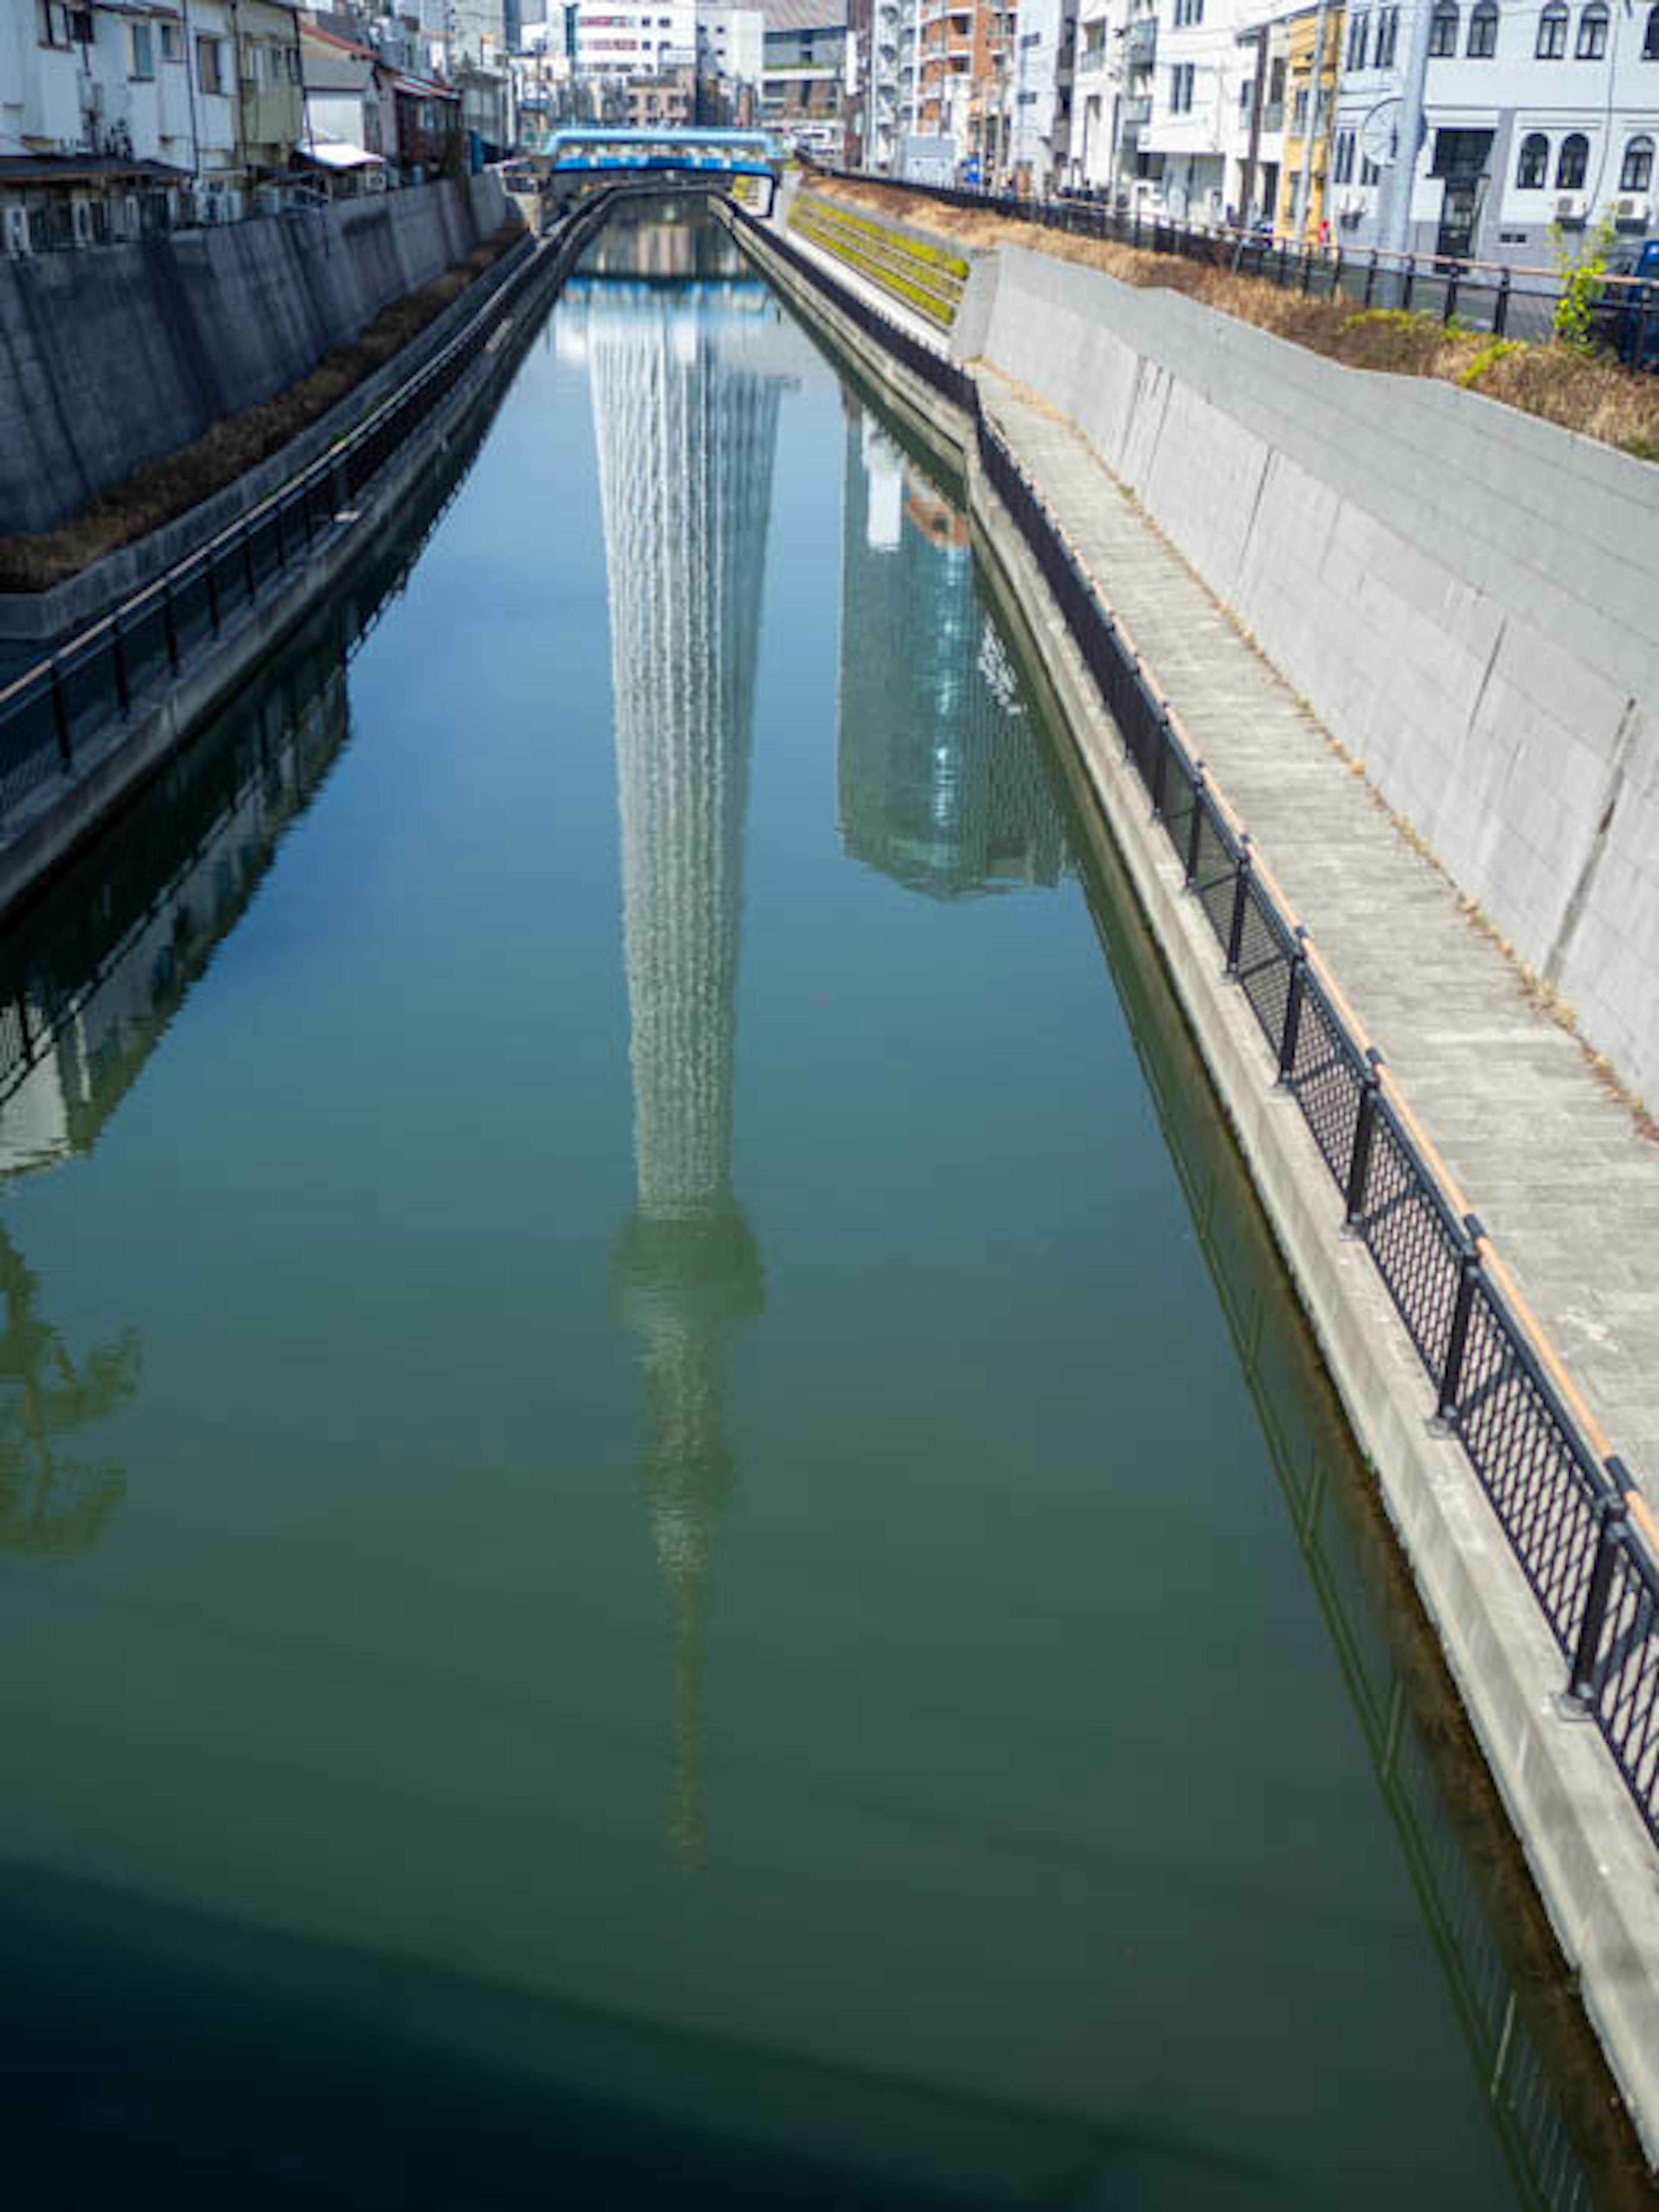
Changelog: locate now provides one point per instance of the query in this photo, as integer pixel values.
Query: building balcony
(1137, 110)
(1140, 39)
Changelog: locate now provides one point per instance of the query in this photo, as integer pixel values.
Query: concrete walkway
(1548, 1157)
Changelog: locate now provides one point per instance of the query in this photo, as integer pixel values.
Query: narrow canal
(664, 1532)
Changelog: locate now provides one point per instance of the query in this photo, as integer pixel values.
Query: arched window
(1573, 162)
(1443, 27)
(1636, 174)
(1483, 31)
(1592, 33)
(1532, 172)
(1650, 43)
(1553, 32)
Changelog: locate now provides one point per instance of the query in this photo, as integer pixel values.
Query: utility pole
(1395, 225)
(1310, 122)
(1247, 185)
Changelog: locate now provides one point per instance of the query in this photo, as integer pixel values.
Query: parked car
(1625, 316)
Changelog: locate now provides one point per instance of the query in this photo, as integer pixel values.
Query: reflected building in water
(686, 388)
(938, 780)
(87, 989)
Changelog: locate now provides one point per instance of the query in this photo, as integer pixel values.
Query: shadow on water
(95, 968)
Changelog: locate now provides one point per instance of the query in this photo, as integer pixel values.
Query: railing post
(1448, 306)
(1457, 1338)
(1411, 280)
(60, 720)
(1578, 1701)
(1195, 826)
(1290, 1036)
(1359, 1160)
(1500, 305)
(1241, 903)
(1371, 277)
(1160, 762)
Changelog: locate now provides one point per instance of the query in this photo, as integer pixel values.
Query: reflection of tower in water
(939, 781)
(685, 409)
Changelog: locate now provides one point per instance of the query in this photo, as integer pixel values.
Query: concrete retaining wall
(112, 356)
(1467, 596)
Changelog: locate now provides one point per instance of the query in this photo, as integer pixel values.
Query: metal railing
(56, 709)
(1583, 1535)
(1503, 299)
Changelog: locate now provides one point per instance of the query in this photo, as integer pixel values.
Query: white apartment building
(731, 43)
(616, 38)
(1533, 115)
(118, 120)
(886, 71)
(1045, 37)
(1196, 107)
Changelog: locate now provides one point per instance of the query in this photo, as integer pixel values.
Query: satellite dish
(1379, 134)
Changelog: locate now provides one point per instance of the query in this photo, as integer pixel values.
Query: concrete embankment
(41, 831)
(114, 356)
(1589, 1851)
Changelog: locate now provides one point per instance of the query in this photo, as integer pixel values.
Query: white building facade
(1196, 110)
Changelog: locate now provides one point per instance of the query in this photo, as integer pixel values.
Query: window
(173, 43)
(1188, 12)
(1483, 31)
(1573, 164)
(1552, 32)
(1532, 171)
(1370, 174)
(64, 26)
(1388, 36)
(1443, 28)
(1299, 109)
(1181, 88)
(1592, 33)
(1650, 43)
(140, 50)
(1359, 39)
(1637, 175)
(210, 73)
(1342, 167)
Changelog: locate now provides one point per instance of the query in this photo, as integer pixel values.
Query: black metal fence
(56, 710)
(1505, 300)
(1568, 1508)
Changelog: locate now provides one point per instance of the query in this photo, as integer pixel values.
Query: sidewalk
(1549, 1157)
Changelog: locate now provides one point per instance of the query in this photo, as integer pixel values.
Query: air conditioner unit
(1637, 213)
(1569, 207)
(16, 230)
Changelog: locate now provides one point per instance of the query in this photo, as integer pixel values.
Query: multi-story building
(1116, 71)
(114, 122)
(804, 73)
(1045, 40)
(1195, 107)
(961, 88)
(1264, 42)
(633, 38)
(1531, 117)
(731, 44)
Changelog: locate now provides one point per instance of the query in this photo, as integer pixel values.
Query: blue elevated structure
(599, 154)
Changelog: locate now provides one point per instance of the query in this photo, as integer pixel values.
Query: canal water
(665, 1532)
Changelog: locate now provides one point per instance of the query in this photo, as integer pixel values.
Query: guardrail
(56, 707)
(1504, 298)
(1583, 1534)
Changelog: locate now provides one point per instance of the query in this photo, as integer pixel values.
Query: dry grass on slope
(1595, 397)
(163, 490)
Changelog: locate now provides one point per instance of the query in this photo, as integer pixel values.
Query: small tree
(1581, 265)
